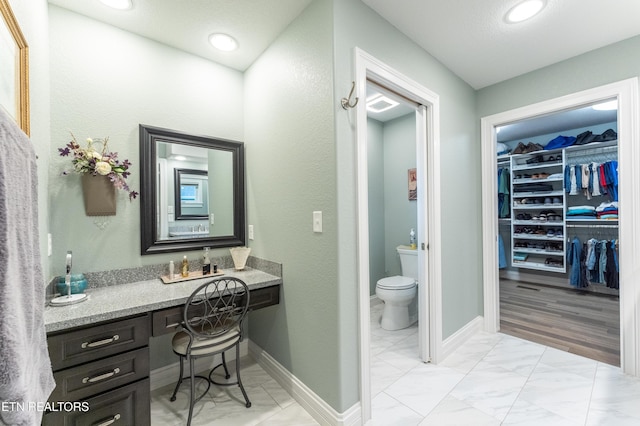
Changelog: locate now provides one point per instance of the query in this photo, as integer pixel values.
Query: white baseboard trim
(458, 338)
(322, 412)
(168, 374)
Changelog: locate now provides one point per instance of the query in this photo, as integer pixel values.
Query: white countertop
(117, 301)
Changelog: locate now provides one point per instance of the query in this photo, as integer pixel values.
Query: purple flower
(64, 151)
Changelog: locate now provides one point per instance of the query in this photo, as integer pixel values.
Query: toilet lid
(396, 283)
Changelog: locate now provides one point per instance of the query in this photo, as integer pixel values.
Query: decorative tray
(193, 275)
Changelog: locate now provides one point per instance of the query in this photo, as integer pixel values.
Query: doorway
(626, 94)
(369, 69)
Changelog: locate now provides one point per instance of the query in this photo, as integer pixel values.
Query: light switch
(211, 219)
(49, 245)
(251, 232)
(317, 221)
(170, 209)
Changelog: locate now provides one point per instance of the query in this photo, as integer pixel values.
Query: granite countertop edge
(123, 300)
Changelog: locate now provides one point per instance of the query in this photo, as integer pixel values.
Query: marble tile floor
(271, 405)
(494, 380)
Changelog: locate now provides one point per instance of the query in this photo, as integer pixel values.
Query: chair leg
(226, 370)
(175, 391)
(193, 389)
(246, 398)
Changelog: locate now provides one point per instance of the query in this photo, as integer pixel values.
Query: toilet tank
(408, 261)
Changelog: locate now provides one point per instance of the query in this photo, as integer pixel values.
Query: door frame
(428, 178)
(626, 91)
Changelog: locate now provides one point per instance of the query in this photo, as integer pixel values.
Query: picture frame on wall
(412, 180)
(14, 68)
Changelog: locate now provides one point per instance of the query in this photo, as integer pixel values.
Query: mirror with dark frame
(191, 191)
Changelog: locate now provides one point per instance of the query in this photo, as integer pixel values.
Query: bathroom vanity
(99, 348)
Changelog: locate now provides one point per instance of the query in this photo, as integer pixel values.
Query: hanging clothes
(612, 275)
(504, 201)
(575, 258)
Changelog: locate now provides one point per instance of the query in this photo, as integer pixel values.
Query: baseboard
(458, 338)
(168, 374)
(322, 412)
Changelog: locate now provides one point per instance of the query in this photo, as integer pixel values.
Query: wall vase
(99, 195)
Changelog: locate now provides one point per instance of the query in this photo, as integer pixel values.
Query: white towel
(26, 378)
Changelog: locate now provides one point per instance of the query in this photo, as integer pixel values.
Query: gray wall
(401, 214)
(375, 158)
(609, 64)
(104, 82)
(291, 172)
(356, 25)
(392, 151)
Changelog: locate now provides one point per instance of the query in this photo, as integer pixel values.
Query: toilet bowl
(398, 292)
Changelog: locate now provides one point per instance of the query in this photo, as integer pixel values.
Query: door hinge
(423, 247)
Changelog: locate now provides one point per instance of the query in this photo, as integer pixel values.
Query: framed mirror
(192, 191)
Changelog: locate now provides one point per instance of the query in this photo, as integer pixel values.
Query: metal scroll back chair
(212, 324)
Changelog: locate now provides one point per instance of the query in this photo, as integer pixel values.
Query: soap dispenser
(412, 239)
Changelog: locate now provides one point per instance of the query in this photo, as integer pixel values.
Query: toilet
(398, 292)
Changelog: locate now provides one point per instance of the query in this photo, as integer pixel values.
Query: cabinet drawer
(263, 297)
(82, 381)
(88, 344)
(126, 406)
(167, 320)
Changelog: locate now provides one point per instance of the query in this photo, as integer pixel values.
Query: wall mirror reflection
(192, 191)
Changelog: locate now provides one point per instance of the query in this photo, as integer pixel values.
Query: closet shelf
(541, 266)
(540, 251)
(537, 206)
(533, 166)
(532, 180)
(537, 194)
(554, 223)
(536, 237)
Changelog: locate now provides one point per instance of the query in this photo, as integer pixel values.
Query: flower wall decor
(98, 161)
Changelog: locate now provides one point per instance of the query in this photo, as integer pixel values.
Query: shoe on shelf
(520, 149)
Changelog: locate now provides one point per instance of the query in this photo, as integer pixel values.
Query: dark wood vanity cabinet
(106, 368)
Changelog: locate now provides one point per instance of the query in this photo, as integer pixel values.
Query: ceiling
(187, 24)
(471, 38)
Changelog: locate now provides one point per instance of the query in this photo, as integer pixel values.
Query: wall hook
(346, 102)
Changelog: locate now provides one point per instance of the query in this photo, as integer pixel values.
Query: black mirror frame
(177, 173)
(149, 244)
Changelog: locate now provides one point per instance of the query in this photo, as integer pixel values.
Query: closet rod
(587, 225)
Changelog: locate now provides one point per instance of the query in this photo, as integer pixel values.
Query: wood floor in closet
(575, 321)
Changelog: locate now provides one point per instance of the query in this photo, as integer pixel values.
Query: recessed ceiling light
(118, 4)
(606, 106)
(180, 158)
(380, 103)
(223, 42)
(524, 10)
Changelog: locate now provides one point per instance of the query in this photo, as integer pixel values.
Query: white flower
(103, 168)
(89, 141)
(96, 154)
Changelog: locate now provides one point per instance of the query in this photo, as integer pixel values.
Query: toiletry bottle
(412, 239)
(185, 267)
(206, 262)
(171, 270)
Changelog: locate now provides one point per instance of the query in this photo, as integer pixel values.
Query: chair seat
(207, 345)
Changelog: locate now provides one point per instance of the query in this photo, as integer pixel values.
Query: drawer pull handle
(100, 342)
(111, 421)
(174, 325)
(101, 377)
